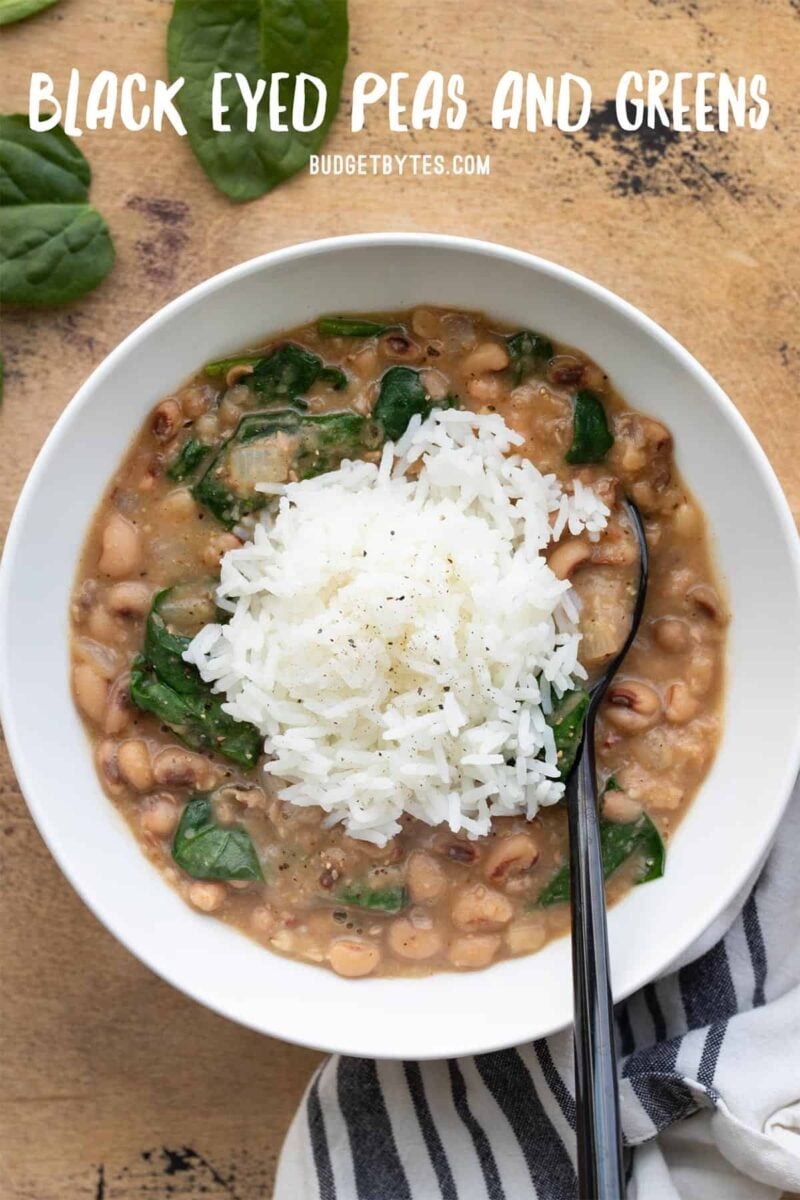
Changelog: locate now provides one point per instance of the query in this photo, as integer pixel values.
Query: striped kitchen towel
(717, 1041)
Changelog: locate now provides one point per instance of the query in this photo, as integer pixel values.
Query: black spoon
(600, 1172)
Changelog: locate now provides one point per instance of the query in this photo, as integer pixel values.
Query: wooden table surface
(112, 1085)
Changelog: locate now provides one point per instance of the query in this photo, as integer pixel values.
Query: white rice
(399, 641)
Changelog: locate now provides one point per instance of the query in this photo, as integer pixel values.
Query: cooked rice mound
(397, 635)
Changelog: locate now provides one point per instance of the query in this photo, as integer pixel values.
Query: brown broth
(469, 902)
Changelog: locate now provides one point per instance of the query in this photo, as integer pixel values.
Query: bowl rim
(378, 240)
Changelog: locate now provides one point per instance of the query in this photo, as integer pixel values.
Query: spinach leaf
(196, 717)
(40, 168)
(266, 447)
(206, 850)
(527, 351)
(287, 373)
(254, 38)
(284, 376)
(53, 245)
(164, 650)
(402, 395)
(172, 690)
(223, 365)
(187, 460)
(617, 844)
(281, 376)
(335, 376)
(18, 10)
(349, 327)
(591, 437)
(361, 895)
(567, 721)
(52, 253)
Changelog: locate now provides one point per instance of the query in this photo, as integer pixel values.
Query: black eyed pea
(413, 939)
(133, 760)
(399, 348)
(237, 373)
(166, 420)
(473, 951)
(101, 625)
(615, 549)
(229, 412)
(488, 356)
(620, 808)
(98, 656)
(196, 400)
(435, 384)
(509, 857)
(207, 894)
(263, 920)
(174, 767)
(526, 937)
(632, 706)
(671, 634)
(426, 324)
(364, 364)
(121, 547)
(686, 520)
(178, 505)
(159, 815)
(353, 957)
(485, 389)
(568, 556)
(118, 710)
(206, 428)
(680, 704)
(425, 878)
(106, 760)
(129, 599)
(704, 600)
(478, 909)
(700, 672)
(218, 545)
(91, 691)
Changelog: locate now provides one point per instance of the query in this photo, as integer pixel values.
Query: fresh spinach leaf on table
(54, 246)
(40, 168)
(18, 10)
(254, 38)
(52, 253)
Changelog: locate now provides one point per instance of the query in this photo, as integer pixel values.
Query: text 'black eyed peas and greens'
(185, 774)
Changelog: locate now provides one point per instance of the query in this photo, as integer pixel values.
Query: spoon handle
(600, 1172)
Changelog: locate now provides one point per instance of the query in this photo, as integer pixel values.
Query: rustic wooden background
(112, 1085)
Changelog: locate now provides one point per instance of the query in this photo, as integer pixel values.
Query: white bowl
(726, 832)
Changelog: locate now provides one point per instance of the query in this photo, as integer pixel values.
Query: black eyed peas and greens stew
(188, 776)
